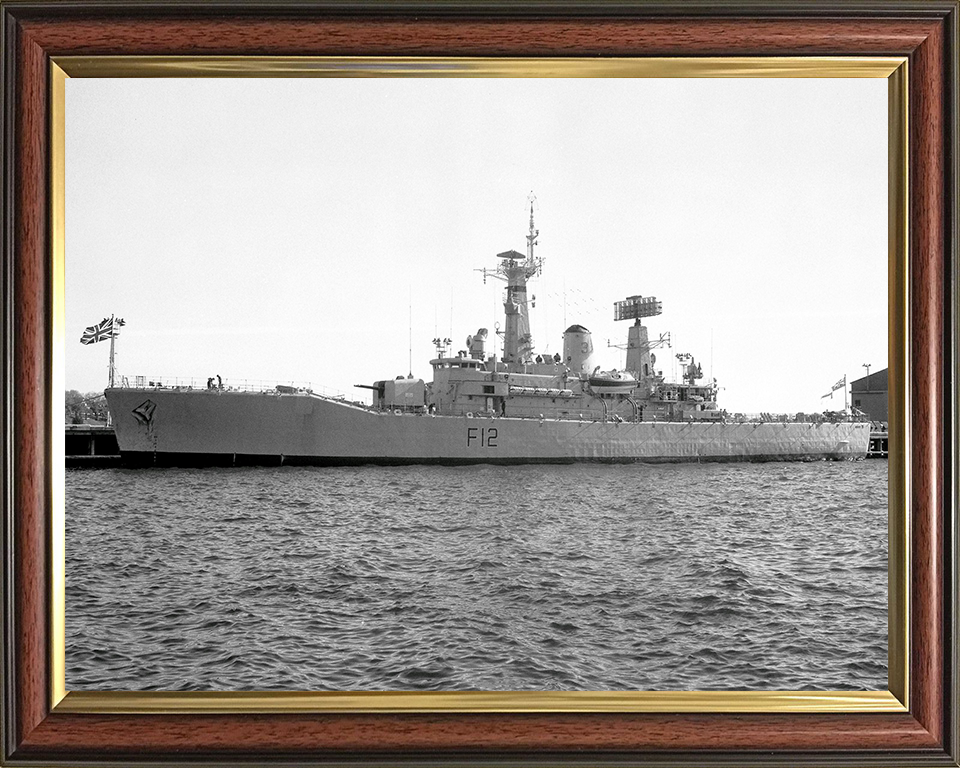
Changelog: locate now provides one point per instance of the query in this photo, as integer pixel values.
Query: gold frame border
(422, 66)
(894, 69)
(58, 494)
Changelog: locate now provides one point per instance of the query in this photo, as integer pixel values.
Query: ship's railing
(695, 417)
(790, 418)
(228, 385)
(611, 419)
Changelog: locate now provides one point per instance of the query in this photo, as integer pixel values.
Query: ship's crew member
(219, 382)
(539, 359)
(210, 383)
(556, 358)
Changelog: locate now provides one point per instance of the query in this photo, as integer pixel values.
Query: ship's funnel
(578, 349)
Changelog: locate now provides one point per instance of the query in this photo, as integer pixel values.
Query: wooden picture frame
(38, 731)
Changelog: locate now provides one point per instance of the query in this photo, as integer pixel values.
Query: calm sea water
(592, 577)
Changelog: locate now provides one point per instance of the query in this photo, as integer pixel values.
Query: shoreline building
(869, 395)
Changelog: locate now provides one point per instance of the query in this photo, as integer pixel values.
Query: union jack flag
(105, 329)
(839, 385)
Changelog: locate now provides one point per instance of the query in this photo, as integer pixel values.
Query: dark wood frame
(926, 32)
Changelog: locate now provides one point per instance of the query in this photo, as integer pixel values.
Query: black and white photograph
(476, 384)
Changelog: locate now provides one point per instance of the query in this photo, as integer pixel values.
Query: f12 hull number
(484, 437)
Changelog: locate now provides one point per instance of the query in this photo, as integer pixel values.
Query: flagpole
(846, 407)
(112, 339)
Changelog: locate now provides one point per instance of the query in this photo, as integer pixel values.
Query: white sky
(281, 229)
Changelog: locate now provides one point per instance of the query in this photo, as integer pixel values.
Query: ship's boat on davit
(612, 383)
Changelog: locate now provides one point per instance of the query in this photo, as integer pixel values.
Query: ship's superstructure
(525, 384)
(519, 407)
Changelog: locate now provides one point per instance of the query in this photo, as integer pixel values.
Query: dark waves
(584, 577)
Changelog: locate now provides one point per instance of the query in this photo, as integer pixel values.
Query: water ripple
(672, 577)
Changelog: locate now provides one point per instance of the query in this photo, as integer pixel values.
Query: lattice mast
(516, 269)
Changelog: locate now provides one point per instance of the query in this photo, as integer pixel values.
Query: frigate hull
(223, 427)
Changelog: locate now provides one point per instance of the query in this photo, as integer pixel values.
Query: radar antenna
(636, 308)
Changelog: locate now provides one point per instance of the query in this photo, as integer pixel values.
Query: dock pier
(91, 445)
(879, 437)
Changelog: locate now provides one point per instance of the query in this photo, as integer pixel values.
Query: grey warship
(518, 407)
